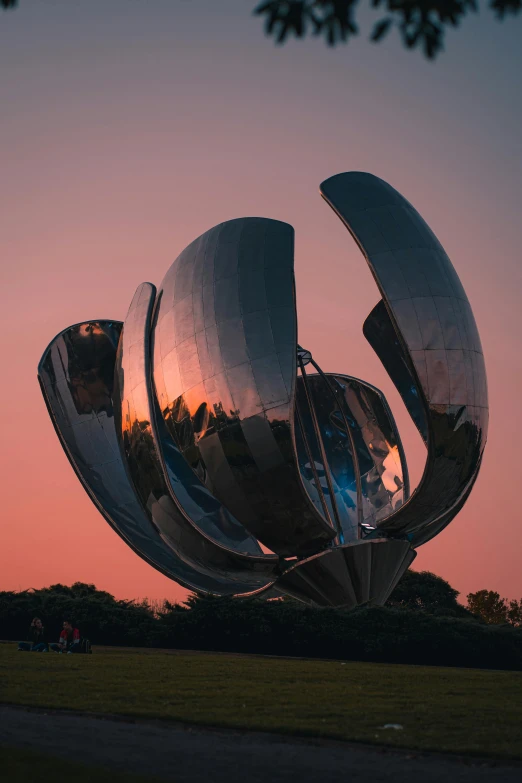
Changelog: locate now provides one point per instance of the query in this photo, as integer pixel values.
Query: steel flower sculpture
(220, 452)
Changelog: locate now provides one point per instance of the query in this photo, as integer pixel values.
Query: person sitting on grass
(69, 641)
(36, 638)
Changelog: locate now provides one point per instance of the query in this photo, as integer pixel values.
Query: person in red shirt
(69, 641)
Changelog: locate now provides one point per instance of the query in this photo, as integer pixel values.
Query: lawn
(26, 766)
(452, 710)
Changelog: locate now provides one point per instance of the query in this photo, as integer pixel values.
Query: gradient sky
(129, 128)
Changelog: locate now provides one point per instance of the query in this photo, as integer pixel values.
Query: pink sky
(131, 130)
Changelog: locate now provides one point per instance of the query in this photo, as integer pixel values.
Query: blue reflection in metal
(202, 436)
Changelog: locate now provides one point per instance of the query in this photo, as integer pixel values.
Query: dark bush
(425, 630)
(98, 614)
(370, 634)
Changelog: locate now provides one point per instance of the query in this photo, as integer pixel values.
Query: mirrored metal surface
(228, 570)
(434, 355)
(379, 453)
(224, 371)
(206, 439)
(364, 572)
(380, 333)
(76, 376)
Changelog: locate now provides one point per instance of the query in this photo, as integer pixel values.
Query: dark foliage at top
(420, 23)
(423, 624)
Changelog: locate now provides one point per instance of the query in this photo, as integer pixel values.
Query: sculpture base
(364, 572)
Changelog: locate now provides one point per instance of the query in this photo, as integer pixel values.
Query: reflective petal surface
(202, 438)
(224, 371)
(218, 568)
(379, 454)
(76, 376)
(426, 336)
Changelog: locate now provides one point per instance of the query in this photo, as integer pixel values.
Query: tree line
(422, 623)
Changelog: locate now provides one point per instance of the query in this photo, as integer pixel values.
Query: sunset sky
(129, 128)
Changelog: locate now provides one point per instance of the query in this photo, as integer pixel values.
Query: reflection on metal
(348, 430)
(311, 464)
(201, 436)
(77, 374)
(324, 460)
(361, 573)
(425, 334)
(154, 487)
(356, 420)
(224, 371)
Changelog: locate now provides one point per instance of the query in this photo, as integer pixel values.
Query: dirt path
(189, 755)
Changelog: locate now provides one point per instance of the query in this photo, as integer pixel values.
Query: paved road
(189, 755)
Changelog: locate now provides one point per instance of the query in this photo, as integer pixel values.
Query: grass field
(26, 766)
(452, 710)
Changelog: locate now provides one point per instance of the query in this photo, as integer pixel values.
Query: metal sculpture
(201, 435)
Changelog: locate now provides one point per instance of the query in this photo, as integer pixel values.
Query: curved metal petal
(436, 340)
(228, 570)
(379, 453)
(76, 377)
(380, 333)
(224, 370)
